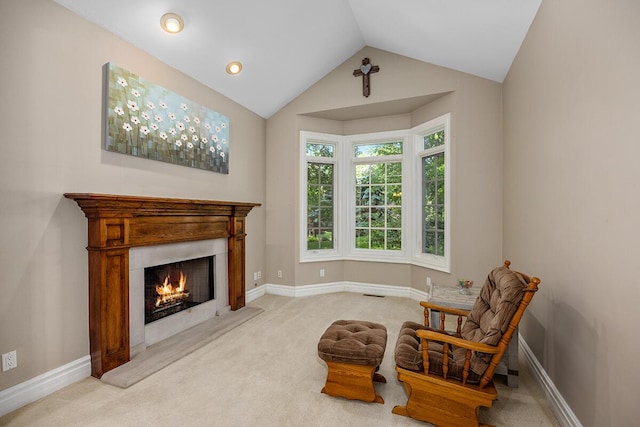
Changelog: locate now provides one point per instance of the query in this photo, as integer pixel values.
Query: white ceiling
(286, 46)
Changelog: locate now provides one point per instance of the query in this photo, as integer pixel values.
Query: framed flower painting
(149, 121)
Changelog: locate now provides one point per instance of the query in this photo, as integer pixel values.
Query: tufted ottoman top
(353, 341)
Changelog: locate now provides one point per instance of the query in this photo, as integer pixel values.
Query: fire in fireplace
(171, 288)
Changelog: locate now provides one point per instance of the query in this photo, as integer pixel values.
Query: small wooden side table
(451, 297)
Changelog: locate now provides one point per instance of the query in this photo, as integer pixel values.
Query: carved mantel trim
(117, 223)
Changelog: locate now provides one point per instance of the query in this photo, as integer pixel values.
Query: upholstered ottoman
(353, 351)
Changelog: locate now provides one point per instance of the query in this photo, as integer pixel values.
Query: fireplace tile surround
(118, 223)
(141, 335)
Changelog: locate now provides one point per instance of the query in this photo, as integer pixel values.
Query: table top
(451, 296)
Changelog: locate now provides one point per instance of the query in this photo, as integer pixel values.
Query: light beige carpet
(266, 372)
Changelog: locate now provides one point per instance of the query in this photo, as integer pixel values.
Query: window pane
(433, 140)
(394, 172)
(433, 200)
(377, 171)
(326, 174)
(377, 239)
(384, 197)
(362, 196)
(312, 172)
(319, 150)
(394, 240)
(320, 206)
(362, 217)
(394, 217)
(362, 174)
(378, 149)
(326, 195)
(377, 217)
(394, 195)
(362, 238)
(377, 195)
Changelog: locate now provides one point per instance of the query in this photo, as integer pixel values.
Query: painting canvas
(149, 121)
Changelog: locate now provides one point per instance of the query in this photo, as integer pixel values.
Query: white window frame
(344, 161)
(436, 262)
(351, 142)
(307, 255)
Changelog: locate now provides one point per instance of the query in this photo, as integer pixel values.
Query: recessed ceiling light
(171, 23)
(234, 67)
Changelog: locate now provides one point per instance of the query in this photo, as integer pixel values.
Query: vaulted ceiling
(286, 46)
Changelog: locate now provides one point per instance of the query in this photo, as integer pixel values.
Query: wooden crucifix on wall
(365, 70)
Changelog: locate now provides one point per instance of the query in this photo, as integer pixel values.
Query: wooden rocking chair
(447, 376)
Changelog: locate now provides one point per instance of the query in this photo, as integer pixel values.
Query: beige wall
(571, 204)
(476, 108)
(50, 110)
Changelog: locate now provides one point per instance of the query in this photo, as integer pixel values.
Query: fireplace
(171, 288)
(118, 225)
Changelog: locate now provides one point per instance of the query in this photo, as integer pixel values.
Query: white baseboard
(560, 408)
(327, 288)
(38, 387)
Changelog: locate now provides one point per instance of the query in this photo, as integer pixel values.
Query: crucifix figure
(365, 69)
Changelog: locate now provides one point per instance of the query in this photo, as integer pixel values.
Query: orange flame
(168, 293)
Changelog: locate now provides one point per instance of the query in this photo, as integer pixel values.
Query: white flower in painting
(163, 135)
(195, 137)
(162, 104)
(145, 115)
(151, 105)
(127, 127)
(212, 149)
(180, 126)
(135, 93)
(189, 145)
(119, 111)
(122, 82)
(158, 118)
(214, 138)
(179, 143)
(154, 126)
(135, 120)
(196, 120)
(144, 130)
(172, 116)
(187, 119)
(207, 126)
(184, 137)
(133, 106)
(172, 131)
(224, 125)
(184, 106)
(222, 154)
(218, 129)
(204, 140)
(192, 129)
(224, 141)
(218, 147)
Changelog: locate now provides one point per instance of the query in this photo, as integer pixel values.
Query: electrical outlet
(9, 361)
(259, 274)
(280, 274)
(322, 272)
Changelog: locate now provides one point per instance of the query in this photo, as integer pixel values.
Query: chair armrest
(445, 309)
(443, 337)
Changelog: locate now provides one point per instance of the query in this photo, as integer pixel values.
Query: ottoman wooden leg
(352, 382)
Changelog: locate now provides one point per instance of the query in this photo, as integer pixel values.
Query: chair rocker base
(443, 402)
(352, 382)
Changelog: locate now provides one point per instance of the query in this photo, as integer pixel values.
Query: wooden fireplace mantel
(116, 224)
